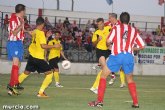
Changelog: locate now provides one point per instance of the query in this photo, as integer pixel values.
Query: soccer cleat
(135, 106)
(58, 85)
(19, 87)
(95, 104)
(42, 95)
(12, 90)
(112, 81)
(122, 85)
(94, 90)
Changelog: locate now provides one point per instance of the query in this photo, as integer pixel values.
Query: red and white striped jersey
(124, 38)
(13, 24)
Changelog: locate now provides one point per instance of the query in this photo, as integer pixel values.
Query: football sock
(133, 93)
(46, 82)
(14, 75)
(22, 77)
(56, 77)
(113, 75)
(122, 77)
(96, 83)
(101, 89)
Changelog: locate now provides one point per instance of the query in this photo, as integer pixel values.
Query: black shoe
(12, 90)
(18, 87)
(135, 106)
(96, 104)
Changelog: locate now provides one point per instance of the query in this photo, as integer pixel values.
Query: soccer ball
(66, 64)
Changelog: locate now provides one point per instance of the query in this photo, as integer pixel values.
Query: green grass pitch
(75, 95)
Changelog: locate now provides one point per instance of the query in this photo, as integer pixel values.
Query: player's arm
(62, 54)
(95, 39)
(44, 45)
(140, 43)
(110, 37)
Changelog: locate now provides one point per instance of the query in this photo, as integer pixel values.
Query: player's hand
(57, 46)
(30, 32)
(99, 38)
(48, 34)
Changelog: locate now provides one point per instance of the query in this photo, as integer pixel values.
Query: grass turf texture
(75, 95)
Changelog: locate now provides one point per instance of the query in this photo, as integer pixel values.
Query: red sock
(133, 93)
(14, 75)
(101, 89)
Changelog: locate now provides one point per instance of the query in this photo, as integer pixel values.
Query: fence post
(55, 21)
(29, 18)
(146, 27)
(79, 22)
(2, 19)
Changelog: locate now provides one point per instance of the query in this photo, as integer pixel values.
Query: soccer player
(15, 46)
(102, 51)
(123, 37)
(36, 60)
(54, 57)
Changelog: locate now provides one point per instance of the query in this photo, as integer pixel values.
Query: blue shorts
(15, 49)
(124, 60)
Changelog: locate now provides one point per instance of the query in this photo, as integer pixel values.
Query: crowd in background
(74, 37)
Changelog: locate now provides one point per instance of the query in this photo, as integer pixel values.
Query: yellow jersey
(35, 49)
(104, 34)
(54, 52)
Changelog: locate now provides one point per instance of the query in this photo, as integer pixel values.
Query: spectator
(148, 40)
(6, 22)
(93, 25)
(26, 24)
(59, 25)
(133, 25)
(158, 30)
(66, 22)
(88, 25)
(48, 24)
(163, 30)
(74, 26)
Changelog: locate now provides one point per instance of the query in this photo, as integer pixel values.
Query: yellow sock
(122, 77)
(96, 83)
(56, 77)
(46, 82)
(22, 77)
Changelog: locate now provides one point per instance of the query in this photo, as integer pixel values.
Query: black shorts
(104, 53)
(39, 65)
(54, 63)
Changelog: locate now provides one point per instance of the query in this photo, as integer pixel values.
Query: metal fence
(75, 55)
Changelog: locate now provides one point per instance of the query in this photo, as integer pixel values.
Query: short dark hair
(19, 8)
(57, 32)
(125, 17)
(40, 21)
(100, 19)
(113, 15)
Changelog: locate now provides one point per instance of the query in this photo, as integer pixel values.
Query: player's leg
(23, 76)
(102, 84)
(132, 90)
(113, 78)
(122, 78)
(111, 65)
(128, 67)
(43, 67)
(57, 77)
(94, 88)
(45, 84)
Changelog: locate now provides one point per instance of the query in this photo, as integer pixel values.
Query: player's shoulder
(97, 31)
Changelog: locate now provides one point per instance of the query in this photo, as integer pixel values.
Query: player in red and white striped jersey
(15, 22)
(123, 38)
(15, 46)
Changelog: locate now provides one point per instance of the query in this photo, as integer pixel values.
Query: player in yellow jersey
(36, 60)
(54, 57)
(102, 51)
